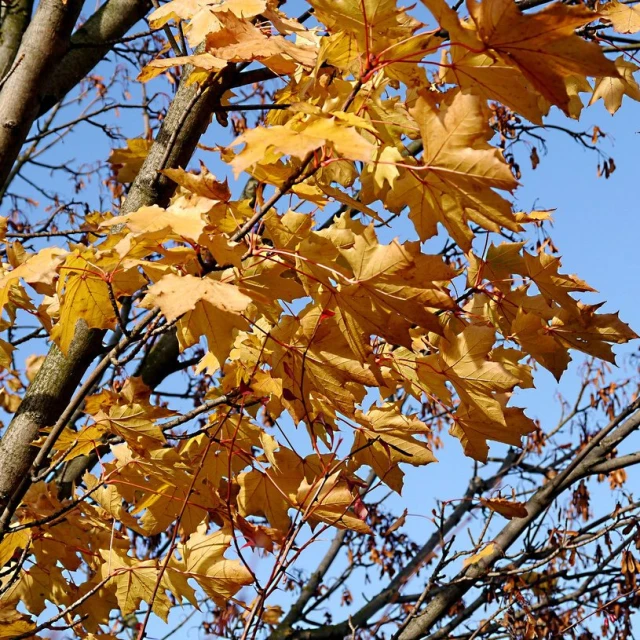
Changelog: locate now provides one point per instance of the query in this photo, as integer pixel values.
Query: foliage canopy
(323, 352)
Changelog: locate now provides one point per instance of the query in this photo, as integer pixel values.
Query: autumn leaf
(453, 183)
(202, 558)
(486, 551)
(330, 500)
(86, 278)
(13, 623)
(474, 428)
(128, 161)
(624, 18)
(611, 89)
(203, 62)
(542, 45)
(386, 437)
(204, 306)
(507, 508)
(466, 363)
(135, 582)
(12, 542)
(203, 17)
(273, 142)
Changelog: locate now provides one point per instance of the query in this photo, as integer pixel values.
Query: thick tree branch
(89, 45)
(15, 20)
(44, 43)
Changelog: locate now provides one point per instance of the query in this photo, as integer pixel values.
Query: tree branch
(14, 23)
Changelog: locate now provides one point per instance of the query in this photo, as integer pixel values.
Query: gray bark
(14, 22)
(44, 43)
(89, 45)
(45, 400)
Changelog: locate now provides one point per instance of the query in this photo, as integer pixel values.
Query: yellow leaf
(330, 500)
(13, 623)
(135, 582)
(85, 293)
(486, 552)
(466, 362)
(260, 496)
(542, 45)
(268, 144)
(386, 437)
(473, 428)
(203, 184)
(150, 220)
(624, 18)
(11, 543)
(201, 61)
(453, 183)
(612, 89)
(177, 295)
(127, 162)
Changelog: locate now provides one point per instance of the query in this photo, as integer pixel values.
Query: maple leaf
(624, 18)
(259, 496)
(269, 144)
(473, 428)
(202, 558)
(6, 350)
(40, 270)
(330, 500)
(507, 508)
(155, 221)
(611, 90)
(466, 362)
(591, 332)
(13, 623)
(206, 307)
(504, 261)
(204, 63)
(454, 181)
(80, 443)
(163, 485)
(36, 586)
(12, 542)
(531, 332)
(500, 47)
(486, 74)
(384, 289)
(203, 184)
(227, 31)
(313, 358)
(134, 422)
(386, 437)
(375, 23)
(204, 15)
(542, 45)
(272, 494)
(240, 40)
(86, 276)
(110, 499)
(127, 162)
(135, 582)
